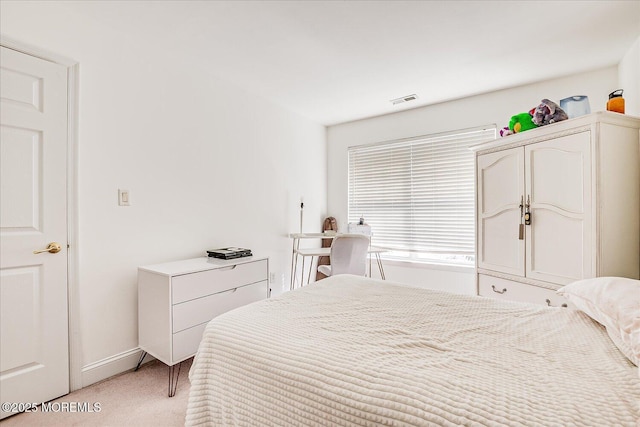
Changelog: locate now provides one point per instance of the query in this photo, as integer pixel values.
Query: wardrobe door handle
(548, 301)
(497, 291)
(527, 211)
(521, 225)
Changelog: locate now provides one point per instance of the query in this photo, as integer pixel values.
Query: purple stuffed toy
(505, 131)
(548, 112)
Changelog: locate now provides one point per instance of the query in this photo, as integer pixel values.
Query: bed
(351, 351)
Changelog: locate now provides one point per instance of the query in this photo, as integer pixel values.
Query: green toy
(521, 122)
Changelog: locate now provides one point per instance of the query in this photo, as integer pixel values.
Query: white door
(559, 184)
(500, 191)
(34, 356)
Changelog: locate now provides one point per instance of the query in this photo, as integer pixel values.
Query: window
(418, 195)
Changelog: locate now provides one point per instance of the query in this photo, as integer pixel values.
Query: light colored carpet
(129, 399)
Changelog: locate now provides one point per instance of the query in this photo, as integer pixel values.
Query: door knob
(53, 248)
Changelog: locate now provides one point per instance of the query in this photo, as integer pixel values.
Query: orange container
(616, 101)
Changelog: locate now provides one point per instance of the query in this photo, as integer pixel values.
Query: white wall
(496, 107)
(629, 77)
(207, 164)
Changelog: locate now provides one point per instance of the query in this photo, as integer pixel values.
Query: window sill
(429, 265)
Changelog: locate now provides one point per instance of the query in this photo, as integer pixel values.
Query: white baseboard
(113, 365)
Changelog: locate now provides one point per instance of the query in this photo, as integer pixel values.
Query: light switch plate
(123, 197)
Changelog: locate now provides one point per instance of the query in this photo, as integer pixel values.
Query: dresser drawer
(494, 287)
(201, 310)
(185, 343)
(191, 286)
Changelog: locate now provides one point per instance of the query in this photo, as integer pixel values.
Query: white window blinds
(418, 195)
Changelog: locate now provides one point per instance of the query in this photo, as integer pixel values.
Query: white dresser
(176, 300)
(558, 204)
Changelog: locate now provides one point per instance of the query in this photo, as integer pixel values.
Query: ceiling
(338, 61)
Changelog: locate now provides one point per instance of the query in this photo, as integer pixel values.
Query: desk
(296, 237)
(318, 252)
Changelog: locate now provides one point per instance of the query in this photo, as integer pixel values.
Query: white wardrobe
(557, 204)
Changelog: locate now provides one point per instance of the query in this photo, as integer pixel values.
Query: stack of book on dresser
(229, 253)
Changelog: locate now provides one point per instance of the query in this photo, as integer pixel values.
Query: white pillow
(615, 303)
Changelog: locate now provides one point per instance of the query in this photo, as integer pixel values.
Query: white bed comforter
(350, 351)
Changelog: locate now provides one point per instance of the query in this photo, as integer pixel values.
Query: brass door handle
(53, 248)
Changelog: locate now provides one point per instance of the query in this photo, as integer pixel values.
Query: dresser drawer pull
(497, 291)
(231, 267)
(548, 301)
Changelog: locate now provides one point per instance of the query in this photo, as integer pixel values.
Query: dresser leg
(173, 379)
(142, 356)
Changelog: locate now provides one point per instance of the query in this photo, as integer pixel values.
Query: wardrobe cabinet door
(558, 183)
(500, 184)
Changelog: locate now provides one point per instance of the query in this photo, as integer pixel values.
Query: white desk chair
(348, 255)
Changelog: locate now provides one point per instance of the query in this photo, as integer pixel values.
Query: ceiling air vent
(406, 98)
